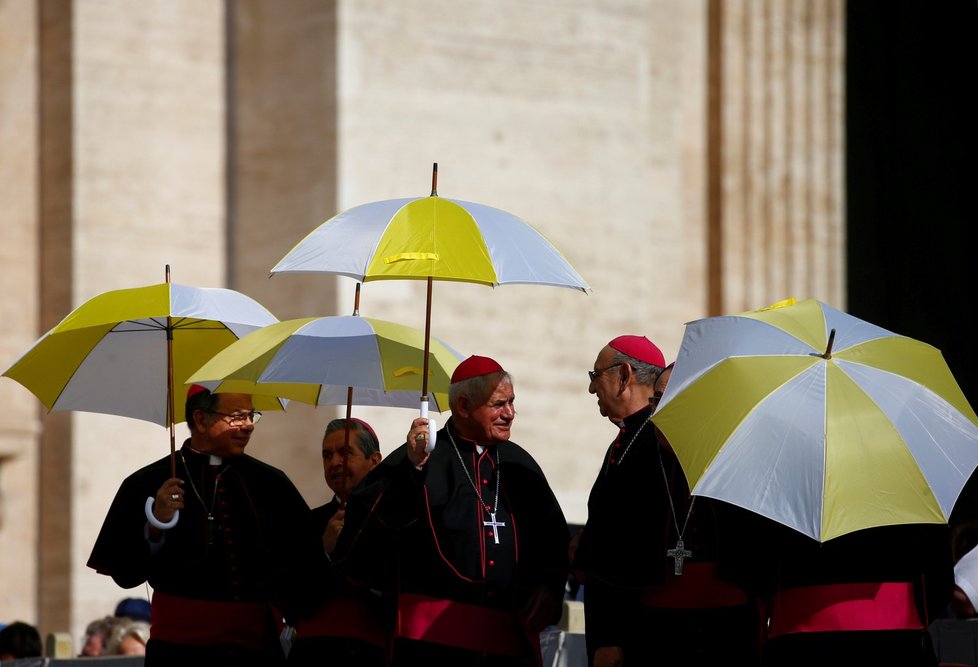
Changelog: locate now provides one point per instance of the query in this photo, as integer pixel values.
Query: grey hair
(363, 437)
(646, 374)
(478, 389)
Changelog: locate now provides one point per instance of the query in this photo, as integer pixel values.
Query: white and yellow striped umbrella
(317, 360)
(431, 238)
(818, 420)
(128, 351)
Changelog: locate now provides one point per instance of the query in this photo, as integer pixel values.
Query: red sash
(841, 607)
(464, 626)
(343, 617)
(698, 587)
(189, 621)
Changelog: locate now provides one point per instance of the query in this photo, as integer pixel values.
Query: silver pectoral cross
(678, 554)
(495, 526)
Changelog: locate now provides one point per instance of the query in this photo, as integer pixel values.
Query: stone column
(282, 182)
(19, 220)
(777, 113)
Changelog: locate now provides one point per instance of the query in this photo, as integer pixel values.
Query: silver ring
(174, 497)
(419, 437)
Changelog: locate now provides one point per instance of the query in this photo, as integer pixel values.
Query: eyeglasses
(594, 374)
(239, 418)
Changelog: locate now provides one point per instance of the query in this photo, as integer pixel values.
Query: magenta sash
(343, 617)
(698, 587)
(841, 607)
(464, 626)
(189, 621)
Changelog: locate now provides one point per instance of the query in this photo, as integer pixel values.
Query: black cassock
(337, 623)
(633, 597)
(425, 536)
(800, 573)
(242, 524)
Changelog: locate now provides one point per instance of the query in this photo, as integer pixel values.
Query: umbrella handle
(432, 427)
(156, 523)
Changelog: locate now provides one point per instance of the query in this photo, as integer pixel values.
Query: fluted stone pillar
(19, 222)
(778, 204)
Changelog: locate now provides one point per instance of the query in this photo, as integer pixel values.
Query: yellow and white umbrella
(332, 361)
(818, 420)
(431, 238)
(128, 352)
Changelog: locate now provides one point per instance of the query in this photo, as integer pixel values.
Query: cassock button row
(492, 562)
(486, 482)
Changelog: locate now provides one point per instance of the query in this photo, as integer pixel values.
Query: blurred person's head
(135, 608)
(128, 638)
(19, 640)
(344, 466)
(97, 635)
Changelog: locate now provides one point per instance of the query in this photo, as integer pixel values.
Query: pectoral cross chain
(678, 555)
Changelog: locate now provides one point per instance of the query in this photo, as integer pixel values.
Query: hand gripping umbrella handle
(156, 523)
(432, 426)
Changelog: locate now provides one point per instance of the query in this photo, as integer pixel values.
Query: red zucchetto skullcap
(366, 426)
(194, 390)
(639, 347)
(475, 366)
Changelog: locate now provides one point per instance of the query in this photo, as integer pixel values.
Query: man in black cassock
(865, 598)
(339, 624)
(218, 573)
(469, 537)
(659, 588)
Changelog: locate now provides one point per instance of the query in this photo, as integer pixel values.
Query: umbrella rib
(187, 322)
(155, 324)
(149, 324)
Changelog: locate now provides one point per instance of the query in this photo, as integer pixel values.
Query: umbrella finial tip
(828, 347)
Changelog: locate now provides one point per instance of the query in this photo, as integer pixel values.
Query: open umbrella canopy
(317, 360)
(431, 237)
(110, 354)
(818, 420)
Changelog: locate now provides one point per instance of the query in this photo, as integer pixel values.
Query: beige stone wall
(179, 135)
(19, 426)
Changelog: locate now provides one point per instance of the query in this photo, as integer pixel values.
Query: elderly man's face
(606, 385)
(345, 465)
(491, 421)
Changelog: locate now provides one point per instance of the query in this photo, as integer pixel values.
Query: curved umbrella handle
(432, 426)
(156, 523)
